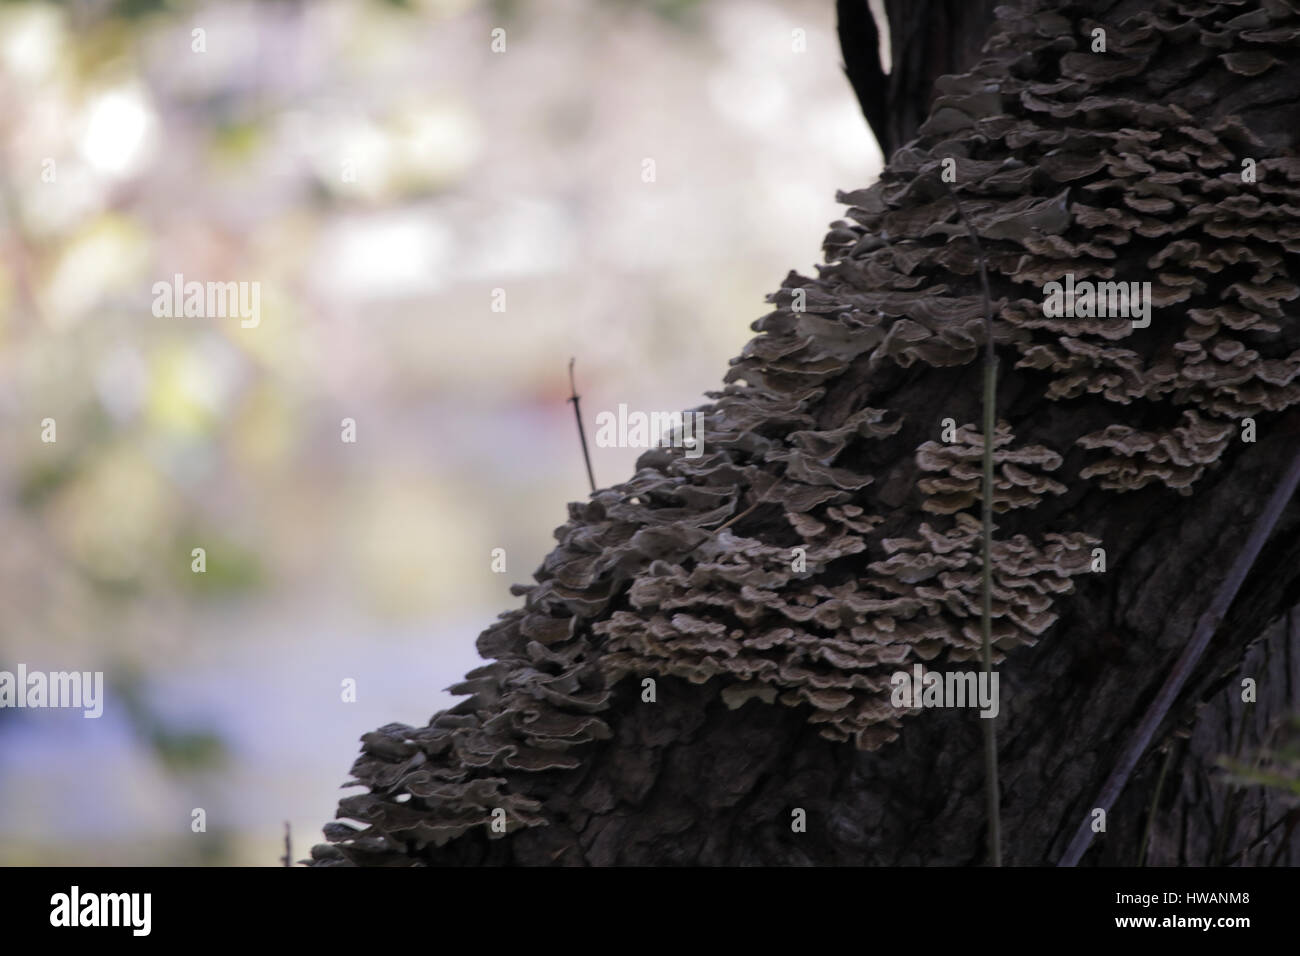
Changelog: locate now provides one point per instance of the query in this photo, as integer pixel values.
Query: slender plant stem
(1155, 804)
(986, 616)
(732, 520)
(582, 435)
(991, 788)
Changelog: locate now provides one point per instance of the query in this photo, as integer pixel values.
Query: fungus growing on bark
(823, 582)
(1176, 457)
(957, 465)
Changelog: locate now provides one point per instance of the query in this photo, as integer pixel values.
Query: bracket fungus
(957, 467)
(810, 456)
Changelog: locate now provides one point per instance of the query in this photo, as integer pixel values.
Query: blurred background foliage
(379, 171)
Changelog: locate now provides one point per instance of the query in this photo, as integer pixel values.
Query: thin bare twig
(582, 435)
(712, 532)
(732, 520)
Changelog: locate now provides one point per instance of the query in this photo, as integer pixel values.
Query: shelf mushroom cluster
(1069, 176)
(776, 565)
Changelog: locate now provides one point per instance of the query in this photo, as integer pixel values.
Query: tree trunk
(836, 436)
(927, 39)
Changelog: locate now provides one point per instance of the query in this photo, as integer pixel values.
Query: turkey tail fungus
(711, 647)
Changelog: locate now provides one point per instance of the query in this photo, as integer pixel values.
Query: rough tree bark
(1124, 164)
(927, 39)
